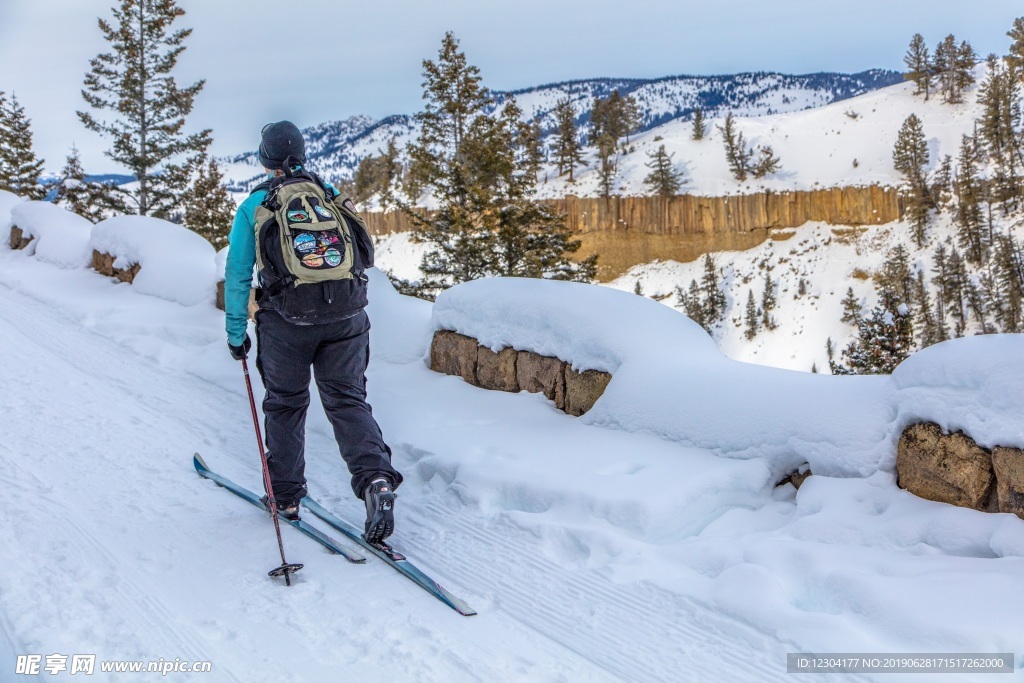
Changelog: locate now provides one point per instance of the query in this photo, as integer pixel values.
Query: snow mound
(177, 264)
(60, 237)
(8, 201)
(669, 379)
(221, 259)
(971, 384)
(592, 327)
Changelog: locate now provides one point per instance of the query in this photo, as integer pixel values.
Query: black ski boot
(380, 511)
(288, 510)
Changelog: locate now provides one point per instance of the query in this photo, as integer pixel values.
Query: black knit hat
(278, 141)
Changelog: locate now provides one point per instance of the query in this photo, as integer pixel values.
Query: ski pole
(285, 570)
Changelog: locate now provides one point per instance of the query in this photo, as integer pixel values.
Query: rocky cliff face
(628, 231)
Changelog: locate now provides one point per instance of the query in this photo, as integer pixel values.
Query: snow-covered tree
(885, 337)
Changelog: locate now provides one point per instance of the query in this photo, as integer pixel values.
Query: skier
(301, 324)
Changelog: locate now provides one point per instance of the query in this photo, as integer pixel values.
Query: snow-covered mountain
(840, 144)
(335, 148)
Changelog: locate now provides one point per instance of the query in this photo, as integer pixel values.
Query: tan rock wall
(511, 370)
(626, 231)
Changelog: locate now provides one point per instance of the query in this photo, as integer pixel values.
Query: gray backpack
(312, 249)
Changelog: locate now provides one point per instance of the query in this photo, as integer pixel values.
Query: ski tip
(198, 462)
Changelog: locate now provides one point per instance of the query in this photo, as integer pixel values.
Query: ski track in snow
(127, 554)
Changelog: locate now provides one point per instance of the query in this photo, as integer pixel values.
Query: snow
(646, 540)
(59, 237)
(586, 545)
(7, 201)
(177, 264)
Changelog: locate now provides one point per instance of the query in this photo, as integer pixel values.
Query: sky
(366, 58)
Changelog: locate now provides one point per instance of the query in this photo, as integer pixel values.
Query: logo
(298, 216)
(313, 261)
(323, 213)
(333, 257)
(304, 242)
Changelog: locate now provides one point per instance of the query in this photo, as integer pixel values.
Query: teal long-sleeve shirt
(238, 270)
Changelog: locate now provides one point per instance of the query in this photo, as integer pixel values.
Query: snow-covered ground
(644, 541)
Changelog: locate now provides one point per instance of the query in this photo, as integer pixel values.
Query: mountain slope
(335, 148)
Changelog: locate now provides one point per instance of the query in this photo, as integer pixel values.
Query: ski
(392, 557)
(242, 492)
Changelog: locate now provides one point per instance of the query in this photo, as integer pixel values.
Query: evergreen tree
(607, 162)
(963, 77)
(930, 330)
(1015, 58)
(851, 308)
(998, 130)
(768, 302)
(148, 109)
(884, 339)
(971, 234)
(568, 151)
(895, 274)
(954, 288)
(207, 207)
(699, 127)
(488, 221)
(736, 153)
(663, 180)
(910, 158)
(1009, 272)
(74, 193)
(942, 187)
(752, 317)
(19, 167)
(764, 162)
(919, 66)
(713, 297)
(944, 64)
(693, 305)
(532, 148)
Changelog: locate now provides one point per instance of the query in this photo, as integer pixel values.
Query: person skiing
(311, 252)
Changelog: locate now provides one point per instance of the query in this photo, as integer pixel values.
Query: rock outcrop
(572, 391)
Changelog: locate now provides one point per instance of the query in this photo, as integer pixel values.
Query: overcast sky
(366, 57)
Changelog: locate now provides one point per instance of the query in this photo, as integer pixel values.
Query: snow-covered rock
(60, 237)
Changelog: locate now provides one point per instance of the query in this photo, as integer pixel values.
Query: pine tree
(919, 67)
(736, 153)
(895, 274)
(207, 207)
(699, 127)
(944, 64)
(752, 317)
(942, 187)
(851, 308)
(884, 339)
(532, 149)
(713, 297)
(910, 158)
(606, 164)
(963, 77)
(568, 151)
(954, 288)
(1009, 272)
(768, 301)
(148, 109)
(19, 168)
(1015, 57)
(693, 305)
(971, 233)
(998, 130)
(930, 330)
(488, 221)
(766, 162)
(663, 180)
(74, 193)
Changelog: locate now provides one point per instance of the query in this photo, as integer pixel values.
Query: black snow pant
(338, 353)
